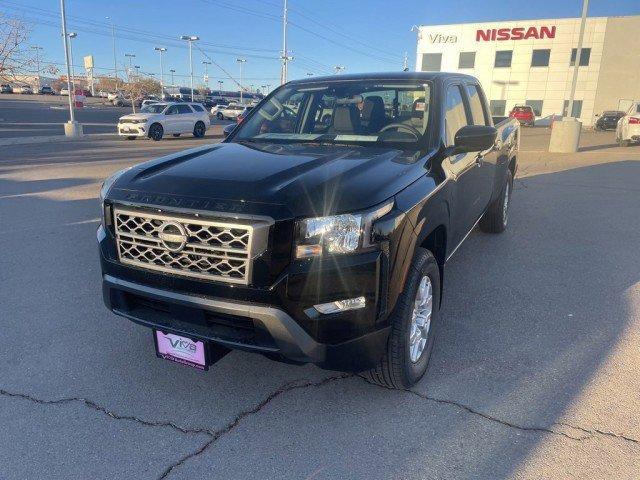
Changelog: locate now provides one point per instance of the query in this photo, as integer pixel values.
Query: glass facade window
(431, 62)
(503, 58)
(536, 105)
(467, 60)
(576, 111)
(498, 107)
(585, 55)
(540, 58)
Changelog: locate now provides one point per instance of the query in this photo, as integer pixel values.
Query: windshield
(342, 112)
(153, 108)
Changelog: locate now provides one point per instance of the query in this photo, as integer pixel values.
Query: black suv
(318, 230)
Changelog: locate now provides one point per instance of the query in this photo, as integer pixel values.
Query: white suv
(628, 127)
(158, 119)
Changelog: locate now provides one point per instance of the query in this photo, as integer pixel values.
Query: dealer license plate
(181, 350)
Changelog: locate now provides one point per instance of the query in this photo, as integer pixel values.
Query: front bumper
(265, 329)
(132, 130)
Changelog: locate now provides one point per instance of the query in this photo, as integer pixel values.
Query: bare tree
(138, 87)
(15, 56)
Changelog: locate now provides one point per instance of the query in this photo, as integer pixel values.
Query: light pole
(220, 82)
(309, 74)
(37, 49)
(241, 61)
(339, 68)
(72, 35)
(137, 67)
(285, 58)
(206, 72)
(190, 39)
(161, 50)
(71, 128)
(130, 56)
(115, 62)
(172, 72)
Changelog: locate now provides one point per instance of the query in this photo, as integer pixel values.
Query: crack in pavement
(214, 435)
(295, 385)
(461, 406)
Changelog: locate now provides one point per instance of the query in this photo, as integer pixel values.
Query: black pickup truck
(318, 230)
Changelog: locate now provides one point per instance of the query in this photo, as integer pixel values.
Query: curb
(54, 139)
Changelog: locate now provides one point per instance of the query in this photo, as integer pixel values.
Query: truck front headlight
(337, 234)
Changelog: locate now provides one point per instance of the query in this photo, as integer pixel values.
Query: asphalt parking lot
(44, 115)
(535, 373)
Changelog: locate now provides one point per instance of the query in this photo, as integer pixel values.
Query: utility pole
(576, 63)
(241, 61)
(130, 56)
(71, 128)
(206, 72)
(405, 64)
(220, 82)
(72, 35)
(37, 49)
(285, 54)
(172, 72)
(190, 39)
(161, 50)
(115, 62)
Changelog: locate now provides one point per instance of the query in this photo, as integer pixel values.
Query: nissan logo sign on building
(532, 61)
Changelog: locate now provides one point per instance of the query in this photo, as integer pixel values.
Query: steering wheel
(401, 126)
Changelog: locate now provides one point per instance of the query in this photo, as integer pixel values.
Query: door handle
(479, 159)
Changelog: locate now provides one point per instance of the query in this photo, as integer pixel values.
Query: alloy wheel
(421, 319)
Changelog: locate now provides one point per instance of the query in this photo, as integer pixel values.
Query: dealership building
(532, 62)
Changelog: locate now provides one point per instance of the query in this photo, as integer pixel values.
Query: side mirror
(228, 129)
(474, 138)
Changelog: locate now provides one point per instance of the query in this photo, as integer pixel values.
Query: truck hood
(300, 178)
(137, 116)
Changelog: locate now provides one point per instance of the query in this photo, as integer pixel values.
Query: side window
(183, 109)
(477, 105)
(172, 110)
(455, 116)
(197, 108)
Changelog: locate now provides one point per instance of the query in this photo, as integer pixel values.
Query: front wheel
(413, 327)
(220, 116)
(155, 132)
(199, 130)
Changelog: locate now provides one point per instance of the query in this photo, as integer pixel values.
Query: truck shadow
(529, 318)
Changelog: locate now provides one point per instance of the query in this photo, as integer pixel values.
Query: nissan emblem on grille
(184, 245)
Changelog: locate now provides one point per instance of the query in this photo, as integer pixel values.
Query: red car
(524, 114)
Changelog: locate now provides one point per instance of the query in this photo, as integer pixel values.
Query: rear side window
(456, 116)
(197, 108)
(183, 109)
(476, 103)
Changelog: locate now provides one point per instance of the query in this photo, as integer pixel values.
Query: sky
(361, 35)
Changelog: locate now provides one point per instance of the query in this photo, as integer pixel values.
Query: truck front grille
(184, 245)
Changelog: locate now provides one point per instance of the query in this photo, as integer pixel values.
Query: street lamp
(339, 68)
(206, 72)
(115, 63)
(37, 49)
(71, 128)
(172, 72)
(241, 61)
(309, 74)
(220, 82)
(161, 50)
(190, 39)
(131, 56)
(72, 35)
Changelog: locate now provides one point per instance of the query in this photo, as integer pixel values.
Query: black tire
(156, 132)
(131, 138)
(396, 369)
(495, 219)
(220, 116)
(624, 143)
(176, 135)
(199, 129)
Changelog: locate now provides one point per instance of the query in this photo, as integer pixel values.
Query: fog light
(341, 305)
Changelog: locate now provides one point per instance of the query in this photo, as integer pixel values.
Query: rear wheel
(495, 219)
(413, 324)
(199, 130)
(156, 132)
